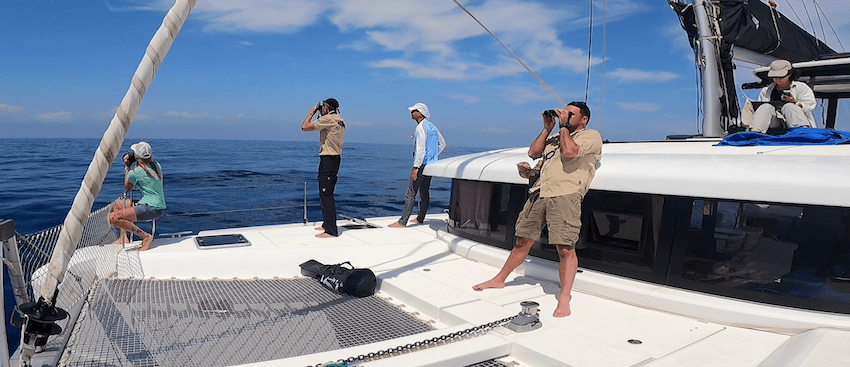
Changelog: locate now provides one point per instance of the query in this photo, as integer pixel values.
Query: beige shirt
(561, 176)
(331, 129)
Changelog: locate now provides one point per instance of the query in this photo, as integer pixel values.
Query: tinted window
(623, 233)
(485, 211)
(789, 255)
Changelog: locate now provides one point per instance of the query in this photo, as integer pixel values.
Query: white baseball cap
(422, 108)
(142, 150)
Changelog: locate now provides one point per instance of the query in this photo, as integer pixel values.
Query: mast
(42, 314)
(707, 54)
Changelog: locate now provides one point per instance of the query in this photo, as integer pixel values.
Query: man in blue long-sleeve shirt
(429, 144)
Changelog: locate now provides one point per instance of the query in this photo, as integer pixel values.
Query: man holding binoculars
(331, 128)
(569, 163)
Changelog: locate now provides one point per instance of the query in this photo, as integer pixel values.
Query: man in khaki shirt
(569, 164)
(331, 128)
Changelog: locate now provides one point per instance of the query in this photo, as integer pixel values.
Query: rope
(773, 12)
(512, 54)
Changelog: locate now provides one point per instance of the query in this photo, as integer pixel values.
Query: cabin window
(789, 255)
(621, 234)
(485, 211)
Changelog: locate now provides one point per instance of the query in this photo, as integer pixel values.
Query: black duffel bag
(341, 279)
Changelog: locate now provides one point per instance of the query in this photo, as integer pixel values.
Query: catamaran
(692, 252)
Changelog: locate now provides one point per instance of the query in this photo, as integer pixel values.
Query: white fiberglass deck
(432, 272)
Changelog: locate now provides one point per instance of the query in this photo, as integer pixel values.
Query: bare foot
(414, 221)
(146, 243)
(325, 235)
(122, 238)
(492, 283)
(396, 225)
(319, 228)
(563, 309)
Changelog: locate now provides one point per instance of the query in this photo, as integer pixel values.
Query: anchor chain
(446, 338)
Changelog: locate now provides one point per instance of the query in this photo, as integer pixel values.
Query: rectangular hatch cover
(221, 241)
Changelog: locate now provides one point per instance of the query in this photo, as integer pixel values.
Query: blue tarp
(794, 136)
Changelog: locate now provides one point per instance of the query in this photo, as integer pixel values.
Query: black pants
(328, 169)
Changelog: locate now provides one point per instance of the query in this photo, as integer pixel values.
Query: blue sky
(252, 69)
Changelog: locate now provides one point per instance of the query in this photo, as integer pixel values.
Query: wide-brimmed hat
(779, 69)
(422, 108)
(142, 150)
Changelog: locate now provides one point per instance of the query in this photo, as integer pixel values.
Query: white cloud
(259, 15)
(432, 37)
(429, 35)
(522, 94)
(9, 108)
(60, 116)
(465, 98)
(187, 115)
(241, 16)
(142, 117)
(633, 75)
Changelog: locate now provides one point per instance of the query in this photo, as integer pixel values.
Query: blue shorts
(145, 213)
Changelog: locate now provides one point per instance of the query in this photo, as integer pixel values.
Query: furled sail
(756, 26)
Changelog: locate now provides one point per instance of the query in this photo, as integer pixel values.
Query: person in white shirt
(429, 144)
(798, 98)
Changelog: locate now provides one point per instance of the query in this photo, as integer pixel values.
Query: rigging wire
(819, 11)
(811, 24)
(830, 26)
(602, 67)
(589, 47)
(512, 54)
(820, 21)
(799, 20)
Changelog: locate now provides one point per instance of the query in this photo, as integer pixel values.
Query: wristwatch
(564, 126)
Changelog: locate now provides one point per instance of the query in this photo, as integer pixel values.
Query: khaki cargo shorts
(562, 214)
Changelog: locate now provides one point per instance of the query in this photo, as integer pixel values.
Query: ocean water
(210, 184)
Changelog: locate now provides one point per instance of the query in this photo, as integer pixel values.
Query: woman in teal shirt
(148, 175)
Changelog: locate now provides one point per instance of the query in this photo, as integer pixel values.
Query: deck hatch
(221, 241)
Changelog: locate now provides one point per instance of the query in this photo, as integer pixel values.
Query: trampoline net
(132, 322)
(129, 321)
